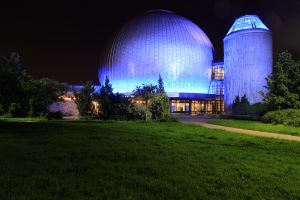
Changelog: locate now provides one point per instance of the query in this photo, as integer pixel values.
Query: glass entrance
(180, 106)
(209, 106)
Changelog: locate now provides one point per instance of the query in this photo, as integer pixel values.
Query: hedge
(288, 117)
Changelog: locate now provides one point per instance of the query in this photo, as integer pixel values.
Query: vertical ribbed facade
(159, 42)
(247, 59)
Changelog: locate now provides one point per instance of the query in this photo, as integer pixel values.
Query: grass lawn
(142, 160)
(258, 126)
(28, 119)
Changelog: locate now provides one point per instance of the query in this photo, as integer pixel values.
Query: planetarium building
(163, 43)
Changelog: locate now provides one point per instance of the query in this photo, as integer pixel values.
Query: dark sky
(62, 40)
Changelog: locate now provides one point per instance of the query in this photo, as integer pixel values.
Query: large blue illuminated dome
(159, 42)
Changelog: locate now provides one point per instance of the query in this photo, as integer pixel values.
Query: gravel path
(247, 132)
(203, 122)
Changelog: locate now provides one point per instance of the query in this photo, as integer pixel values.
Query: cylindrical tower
(247, 59)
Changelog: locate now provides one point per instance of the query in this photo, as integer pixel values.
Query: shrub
(6, 115)
(169, 119)
(54, 115)
(140, 112)
(15, 110)
(258, 109)
(288, 117)
(120, 107)
(160, 106)
(240, 117)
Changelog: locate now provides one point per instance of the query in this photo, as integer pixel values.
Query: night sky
(63, 40)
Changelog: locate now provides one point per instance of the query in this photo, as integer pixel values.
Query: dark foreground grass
(258, 126)
(138, 160)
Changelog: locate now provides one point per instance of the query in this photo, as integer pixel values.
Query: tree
(1, 110)
(124, 108)
(20, 94)
(155, 98)
(105, 99)
(283, 84)
(15, 110)
(160, 106)
(236, 106)
(161, 87)
(244, 106)
(84, 99)
(121, 103)
(146, 93)
(13, 81)
(241, 106)
(43, 93)
(107, 87)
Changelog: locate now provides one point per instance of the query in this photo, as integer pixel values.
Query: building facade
(247, 59)
(163, 43)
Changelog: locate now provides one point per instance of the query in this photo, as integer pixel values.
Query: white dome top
(247, 22)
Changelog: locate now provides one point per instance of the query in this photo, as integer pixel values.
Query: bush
(258, 109)
(140, 112)
(240, 117)
(160, 106)
(288, 117)
(6, 115)
(169, 119)
(15, 110)
(54, 115)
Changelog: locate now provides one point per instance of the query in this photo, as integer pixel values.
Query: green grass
(258, 126)
(28, 119)
(140, 160)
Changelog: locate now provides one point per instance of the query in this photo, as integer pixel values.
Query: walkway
(203, 122)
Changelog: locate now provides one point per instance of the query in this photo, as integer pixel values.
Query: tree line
(146, 102)
(21, 95)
